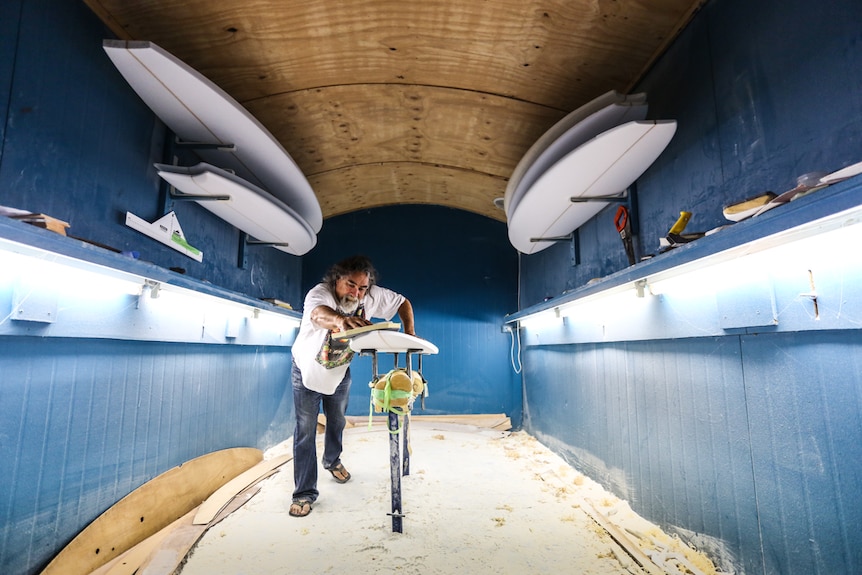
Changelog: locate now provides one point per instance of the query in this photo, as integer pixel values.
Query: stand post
(394, 472)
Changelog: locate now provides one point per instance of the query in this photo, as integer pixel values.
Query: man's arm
(405, 312)
(326, 317)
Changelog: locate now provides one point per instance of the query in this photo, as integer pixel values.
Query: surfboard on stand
(198, 111)
(604, 166)
(243, 205)
(599, 115)
(386, 341)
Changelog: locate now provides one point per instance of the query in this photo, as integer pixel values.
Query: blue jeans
(307, 405)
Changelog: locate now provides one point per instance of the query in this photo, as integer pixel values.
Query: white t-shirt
(379, 303)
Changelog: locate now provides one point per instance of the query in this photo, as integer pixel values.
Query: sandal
(339, 473)
(300, 508)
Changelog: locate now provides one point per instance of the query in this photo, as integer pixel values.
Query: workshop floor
(476, 501)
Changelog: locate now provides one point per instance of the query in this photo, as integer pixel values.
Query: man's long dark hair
(349, 266)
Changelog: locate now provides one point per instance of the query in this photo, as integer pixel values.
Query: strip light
(59, 295)
(814, 244)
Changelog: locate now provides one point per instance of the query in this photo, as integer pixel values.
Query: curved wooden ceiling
(386, 102)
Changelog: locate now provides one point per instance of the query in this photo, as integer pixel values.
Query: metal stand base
(399, 459)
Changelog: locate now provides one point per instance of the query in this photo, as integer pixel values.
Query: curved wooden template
(130, 560)
(339, 126)
(377, 185)
(224, 494)
(149, 508)
(604, 166)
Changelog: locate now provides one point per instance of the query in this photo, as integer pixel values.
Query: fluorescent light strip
(822, 242)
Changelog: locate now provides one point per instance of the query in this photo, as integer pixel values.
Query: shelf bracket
(204, 146)
(624, 197)
(575, 248)
(245, 241)
(180, 197)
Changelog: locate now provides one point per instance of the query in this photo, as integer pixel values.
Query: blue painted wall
(459, 272)
(746, 442)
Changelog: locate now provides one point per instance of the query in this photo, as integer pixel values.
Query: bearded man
(347, 298)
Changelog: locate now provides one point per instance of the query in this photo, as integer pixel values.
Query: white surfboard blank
(599, 115)
(244, 206)
(605, 166)
(198, 111)
(392, 342)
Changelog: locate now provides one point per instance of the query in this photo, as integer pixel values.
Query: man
(346, 298)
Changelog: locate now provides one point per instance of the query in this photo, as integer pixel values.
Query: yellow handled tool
(680, 223)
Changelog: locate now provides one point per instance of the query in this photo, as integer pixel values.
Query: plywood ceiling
(385, 102)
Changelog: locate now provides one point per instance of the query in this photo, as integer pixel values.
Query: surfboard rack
(204, 146)
(179, 196)
(624, 197)
(627, 198)
(245, 240)
(573, 237)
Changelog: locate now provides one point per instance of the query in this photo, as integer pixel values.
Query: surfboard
(247, 207)
(392, 342)
(599, 115)
(149, 508)
(604, 166)
(198, 111)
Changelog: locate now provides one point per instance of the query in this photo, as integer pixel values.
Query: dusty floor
(476, 501)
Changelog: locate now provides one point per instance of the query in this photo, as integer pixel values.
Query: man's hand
(326, 317)
(352, 322)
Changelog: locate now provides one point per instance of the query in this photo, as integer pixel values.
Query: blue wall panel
(662, 425)
(458, 271)
(805, 408)
(87, 421)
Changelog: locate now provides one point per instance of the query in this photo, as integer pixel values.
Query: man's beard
(348, 304)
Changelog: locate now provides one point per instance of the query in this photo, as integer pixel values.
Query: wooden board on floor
(627, 544)
(171, 554)
(224, 494)
(130, 561)
(150, 508)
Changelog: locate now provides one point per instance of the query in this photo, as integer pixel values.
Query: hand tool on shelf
(680, 224)
(623, 225)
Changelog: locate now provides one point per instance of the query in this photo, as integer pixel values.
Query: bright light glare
(807, 253)
(539, 321)
(49, 273)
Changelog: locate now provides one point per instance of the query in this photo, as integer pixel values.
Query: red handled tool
(623, 225)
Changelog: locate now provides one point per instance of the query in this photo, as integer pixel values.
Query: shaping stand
(399, 459)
